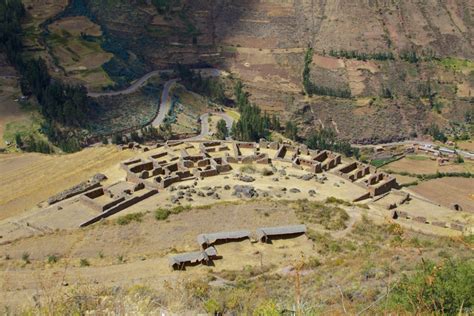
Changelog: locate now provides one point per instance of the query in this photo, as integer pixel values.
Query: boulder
(246, 178)
(247, 191)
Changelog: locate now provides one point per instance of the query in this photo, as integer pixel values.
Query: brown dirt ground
(328, 62)
(448, 191)
(28, 179)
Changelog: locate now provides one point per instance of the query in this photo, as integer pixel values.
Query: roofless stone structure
(173, 162)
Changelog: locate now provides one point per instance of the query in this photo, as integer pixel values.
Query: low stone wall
(386, 186)
(82, 187)
(120, 207)
(423, 220)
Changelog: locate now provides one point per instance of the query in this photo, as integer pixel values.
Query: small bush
(459, 159)
(334, 200)
(52, 259)
(127, 219)
(213, 307)
(162, 214)
(180, 208)
(84, 263)
(267, 172)
(25, 257)
(267, 308)
(121, 259)
(312, 263)
(248, 169)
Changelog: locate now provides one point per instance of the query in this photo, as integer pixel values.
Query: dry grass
(24, 176)
(330, 217)
(360, 265)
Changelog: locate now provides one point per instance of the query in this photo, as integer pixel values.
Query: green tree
(252, 125)
(308, 59)
(18, 140)
(291, 130)
(325, 139)
(222, 130)
(275, 124)
(310, 88)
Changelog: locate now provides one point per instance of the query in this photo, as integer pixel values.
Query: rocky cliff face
(264, 41)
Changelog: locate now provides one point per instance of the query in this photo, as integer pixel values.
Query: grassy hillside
(368, 267)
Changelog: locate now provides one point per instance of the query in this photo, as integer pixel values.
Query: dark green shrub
(162, 214)
(127, 219)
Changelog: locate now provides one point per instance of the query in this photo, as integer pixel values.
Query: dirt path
(165, 102)
(205, 125)
(210, 72)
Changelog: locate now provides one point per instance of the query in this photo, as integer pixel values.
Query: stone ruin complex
(175, 162)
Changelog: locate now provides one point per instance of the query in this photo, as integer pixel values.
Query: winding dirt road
(165, 101)
(205, 125)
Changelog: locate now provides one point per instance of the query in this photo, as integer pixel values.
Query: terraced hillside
(405, 64)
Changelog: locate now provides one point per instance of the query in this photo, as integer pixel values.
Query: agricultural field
(38, 12)
(421, 164)
(466, 145)
(75, 45)
(24, 175)
(448, 191)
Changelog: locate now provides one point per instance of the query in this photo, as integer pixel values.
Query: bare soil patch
(328, 62)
